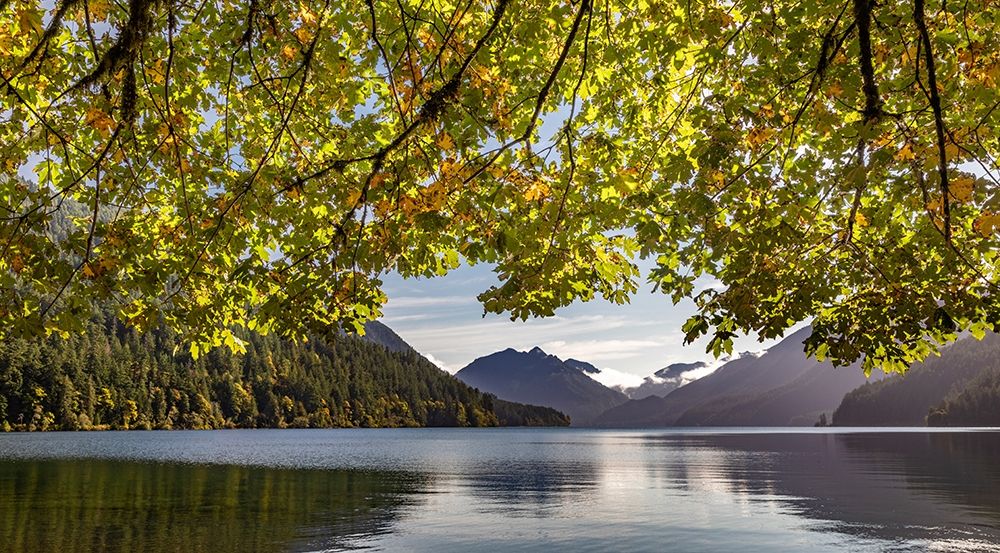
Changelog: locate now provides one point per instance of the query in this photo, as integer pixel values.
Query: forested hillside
(905, 400)
(109, 376)
(976, 404)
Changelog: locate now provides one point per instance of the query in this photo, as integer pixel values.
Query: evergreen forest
(112, 377)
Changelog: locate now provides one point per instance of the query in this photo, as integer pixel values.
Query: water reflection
(110, 506)
(530, 489)
(900, 488)
(501, 490)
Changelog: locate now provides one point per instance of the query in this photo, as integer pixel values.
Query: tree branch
(863, 18)
(935, 100)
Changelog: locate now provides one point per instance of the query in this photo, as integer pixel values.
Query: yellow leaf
(951, 150)
(288, 52)
(759, 136)
(961, 188)
(156, 73)
(408, 206)
(905, 153)
(449, 168)
(201, 298)
(306, 14)
(445, 142)
(434, 195)
(536, 191)
(98, 9)
(303, 35)
(986, 224)
(100, 121)
(860, 220)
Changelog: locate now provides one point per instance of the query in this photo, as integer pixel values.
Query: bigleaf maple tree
(261, 163)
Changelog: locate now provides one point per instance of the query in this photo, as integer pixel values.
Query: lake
(508, 489)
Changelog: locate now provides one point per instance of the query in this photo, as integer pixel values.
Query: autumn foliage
(261, 163)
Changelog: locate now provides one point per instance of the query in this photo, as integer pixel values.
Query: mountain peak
(537, 378)
(675, 370)
(582, 366)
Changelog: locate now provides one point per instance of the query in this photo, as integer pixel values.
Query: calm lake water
(501, 489)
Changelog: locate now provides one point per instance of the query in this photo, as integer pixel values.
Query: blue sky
(442, 319)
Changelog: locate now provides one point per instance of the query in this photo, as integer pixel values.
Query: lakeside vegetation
(112, 377)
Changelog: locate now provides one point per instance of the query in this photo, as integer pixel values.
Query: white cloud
(441, 365)
(483, 334)
(595, 351)
(411, 302)
(710, 367)
(713, 284)
(403, 318)
(611, 378)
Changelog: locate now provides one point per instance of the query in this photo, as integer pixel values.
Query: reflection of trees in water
(909, 486)
(114, 506)
(959, 467)
(530, 487)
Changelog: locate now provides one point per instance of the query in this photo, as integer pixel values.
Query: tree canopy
(261, 163)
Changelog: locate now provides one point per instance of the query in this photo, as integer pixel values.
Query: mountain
(954, 386)
(110, 376)
(378, 333)
(779, 388)
(582, 366)
(676, 370)
(975, 404)
(538, 378)
(663, 381)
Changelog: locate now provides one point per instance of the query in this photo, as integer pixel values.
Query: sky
(442, 319)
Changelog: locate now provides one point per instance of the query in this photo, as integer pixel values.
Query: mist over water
(501, 489)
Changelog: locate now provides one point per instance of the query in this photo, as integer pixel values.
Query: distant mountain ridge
(537, 378)
(782, 387)
(663, 381)
(678, 369)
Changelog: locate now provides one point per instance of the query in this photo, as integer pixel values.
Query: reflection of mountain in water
(936, 488)
(498, 490)
(118, 506)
